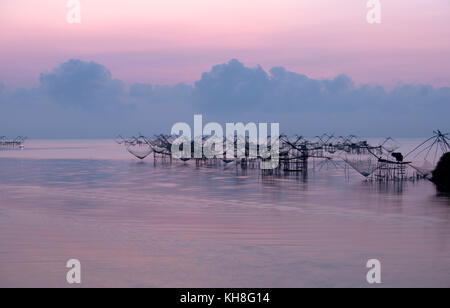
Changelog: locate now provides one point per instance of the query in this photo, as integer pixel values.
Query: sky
(172, 41)
(133, 66)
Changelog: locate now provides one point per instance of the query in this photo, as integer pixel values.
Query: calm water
(138, 224)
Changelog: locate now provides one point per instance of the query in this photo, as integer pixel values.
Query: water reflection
(389, 187)
(181, 225)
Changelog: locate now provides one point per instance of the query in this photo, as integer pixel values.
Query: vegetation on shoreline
(441, 175)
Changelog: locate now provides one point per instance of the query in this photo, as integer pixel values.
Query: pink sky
(170, 41)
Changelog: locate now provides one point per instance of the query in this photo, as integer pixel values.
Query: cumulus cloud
(81, 84)
(229, 86)
(141, 90)
(232, 87)
(82, 99)
(297, 92)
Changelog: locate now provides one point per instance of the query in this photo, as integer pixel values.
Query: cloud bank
(81, 85)
(82, 100)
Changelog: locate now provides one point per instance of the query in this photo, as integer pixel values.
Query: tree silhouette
(441, 175)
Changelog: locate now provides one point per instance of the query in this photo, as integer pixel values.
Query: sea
(133, 223)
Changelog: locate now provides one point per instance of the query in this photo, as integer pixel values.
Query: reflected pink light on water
(144, 224)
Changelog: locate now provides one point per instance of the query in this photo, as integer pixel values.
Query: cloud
(297, 92)
(81, 99)
(230, 86)
(140, 90)
(179, 93)
(81, 84)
